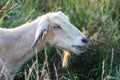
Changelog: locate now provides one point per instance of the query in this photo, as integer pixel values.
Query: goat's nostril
(85, 40)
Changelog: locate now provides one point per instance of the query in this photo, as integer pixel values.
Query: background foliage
(101, 20)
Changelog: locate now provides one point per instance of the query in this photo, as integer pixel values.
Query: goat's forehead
(59, 16)
(62, 16)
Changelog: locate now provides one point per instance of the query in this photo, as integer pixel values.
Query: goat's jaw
(80, 45)
(67, 55)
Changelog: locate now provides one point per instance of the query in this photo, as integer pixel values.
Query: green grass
(101, 18)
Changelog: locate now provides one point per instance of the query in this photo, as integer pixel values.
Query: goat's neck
(20, 51)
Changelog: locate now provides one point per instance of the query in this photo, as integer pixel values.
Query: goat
(17, 45)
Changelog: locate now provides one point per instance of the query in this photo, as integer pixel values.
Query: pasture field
(100, 19)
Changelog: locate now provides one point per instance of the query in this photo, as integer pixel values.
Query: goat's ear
(40, 32)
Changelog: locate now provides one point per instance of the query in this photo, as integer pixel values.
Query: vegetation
(99, 18)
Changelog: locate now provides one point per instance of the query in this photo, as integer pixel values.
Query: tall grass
(100, 18)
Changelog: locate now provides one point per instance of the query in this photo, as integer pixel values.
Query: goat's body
(15, 46)
(18, 45)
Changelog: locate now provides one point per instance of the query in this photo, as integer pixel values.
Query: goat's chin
(77, 51)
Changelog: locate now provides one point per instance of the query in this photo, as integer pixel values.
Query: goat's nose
(84, 40)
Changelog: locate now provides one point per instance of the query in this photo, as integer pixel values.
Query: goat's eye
(57, 27)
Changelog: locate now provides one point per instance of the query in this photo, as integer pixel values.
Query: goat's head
(55, 29)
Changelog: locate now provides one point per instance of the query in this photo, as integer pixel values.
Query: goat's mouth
(81, 48)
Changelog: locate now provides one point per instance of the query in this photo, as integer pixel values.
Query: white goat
(18, 45)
